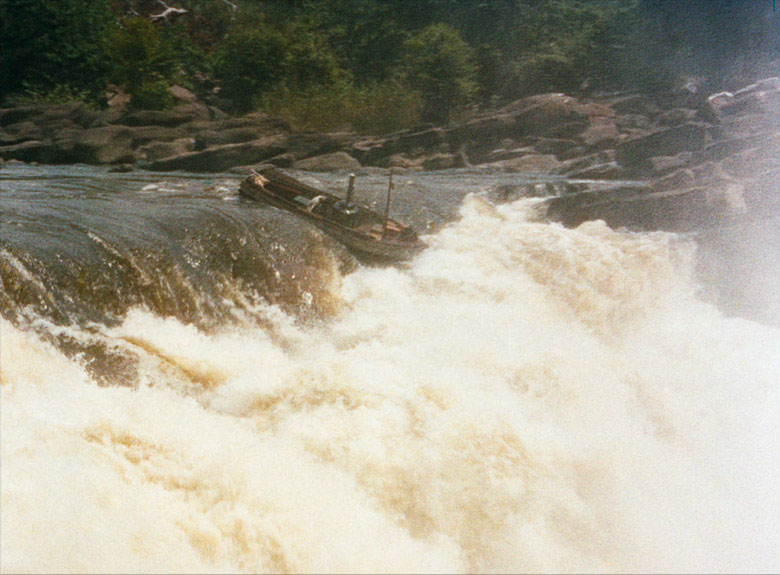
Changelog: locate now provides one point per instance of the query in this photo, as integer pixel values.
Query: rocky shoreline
(703, 159)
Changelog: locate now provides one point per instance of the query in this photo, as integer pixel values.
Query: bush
(143, 63)
(248, 63)
(60, 94)
(377, 108)
(441, 67)
(47, 44)
(151, 94)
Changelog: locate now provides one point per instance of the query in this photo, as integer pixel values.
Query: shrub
(377, 108)
(143, 62)
(441, 67)
(47, 44)
(249, 63)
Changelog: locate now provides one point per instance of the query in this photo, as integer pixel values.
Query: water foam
(522, 397)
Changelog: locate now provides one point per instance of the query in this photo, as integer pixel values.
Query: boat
(363, 231)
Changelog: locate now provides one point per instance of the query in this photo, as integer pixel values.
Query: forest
(375, 65)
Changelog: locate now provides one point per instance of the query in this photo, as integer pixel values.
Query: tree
(143, 62)
(441, 66)
(48, 44)
(248, 62)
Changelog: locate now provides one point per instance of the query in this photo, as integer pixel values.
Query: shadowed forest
(375, 65)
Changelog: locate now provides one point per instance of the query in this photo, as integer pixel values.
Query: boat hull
(359, 242)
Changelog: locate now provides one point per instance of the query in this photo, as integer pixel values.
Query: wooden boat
(363, 231)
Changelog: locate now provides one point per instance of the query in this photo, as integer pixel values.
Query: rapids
(194, 383)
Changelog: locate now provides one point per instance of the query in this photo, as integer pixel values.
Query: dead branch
(166, 13)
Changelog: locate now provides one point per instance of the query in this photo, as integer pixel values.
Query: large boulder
(29, 151)
(664, 142)
(551, 115)
(209, 138)
(221, 158)
(337, 161)
(20, 132)
(106, 145)
(442, 162)
(308, 144)
(169, 118)
(160, 150)
(531, 164)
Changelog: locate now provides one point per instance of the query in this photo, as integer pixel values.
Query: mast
(387, 205)
(350, 189)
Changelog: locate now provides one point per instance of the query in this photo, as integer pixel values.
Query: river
(192, 382)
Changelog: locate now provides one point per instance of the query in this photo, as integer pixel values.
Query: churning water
(194, 383)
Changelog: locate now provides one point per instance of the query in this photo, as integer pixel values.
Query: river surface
(193, 382)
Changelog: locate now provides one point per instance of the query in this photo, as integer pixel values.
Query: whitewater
(520, 397)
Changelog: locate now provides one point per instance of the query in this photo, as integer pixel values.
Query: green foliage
(143, 62)
(58, 95)
(376, 64)
(248, 63)
(441, 67)
(47, 44)
(151, 94)
(340, 105)
(308, 61)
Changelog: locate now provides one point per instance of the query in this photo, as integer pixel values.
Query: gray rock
(532, 164)
(605, 171)
(29, 151)
(167, 118)
(220, 158)
(665, 142)
(328, 163)
(661, 165)
(210, 138)
(441, 162)
(108, 145)
(160, 150)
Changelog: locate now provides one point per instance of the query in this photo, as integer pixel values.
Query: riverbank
(703, 160)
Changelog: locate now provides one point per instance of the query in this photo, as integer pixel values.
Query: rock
(328, 163)
(602, 133)
(121, 168)
(160, 150)
(183, 94)
(724, 148)
(632, 124)
(144, 135)
(168, 118)
(586, 162)
(680, 179)
(511, 154)
(259, 120)
(605, 171)
(108, 145)
(636, 104)
(482, 132)
(442, 162)
(210, 138)
(21, 132)
(309, 144)
(665, 142)
(29, 151)
(403, 161)
(220, 158)
(675, 117)
(557, 146)
(661, 165)
(193, 112)
(9, 116)
(217, 114)
(555, 115)
(532, 163)
(282, 160)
